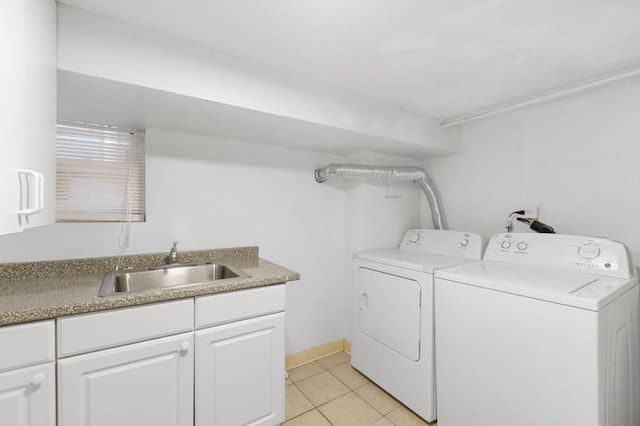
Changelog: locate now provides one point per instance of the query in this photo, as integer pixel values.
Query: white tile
(349, 410)
(322, 388)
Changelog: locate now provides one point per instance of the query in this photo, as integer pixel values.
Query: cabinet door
(27, 113)
(240, 373)
(149, 383)
(27, 396)
(39, 128)
(11, 109)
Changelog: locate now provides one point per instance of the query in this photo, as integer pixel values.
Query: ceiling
(443, 58)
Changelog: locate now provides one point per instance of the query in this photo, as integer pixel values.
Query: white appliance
(393, 336)
(543, 331)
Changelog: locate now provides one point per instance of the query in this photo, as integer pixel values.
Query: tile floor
(330, 392)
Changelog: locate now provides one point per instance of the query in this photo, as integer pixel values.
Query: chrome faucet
(173, 254)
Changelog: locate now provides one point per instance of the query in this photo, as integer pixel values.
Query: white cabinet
(240, 373)
(27, 396)
(145, 365)
(149, 383)
(27, 375)
(27, 113)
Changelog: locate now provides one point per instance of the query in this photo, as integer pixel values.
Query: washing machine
(393, 334)
(544, 331)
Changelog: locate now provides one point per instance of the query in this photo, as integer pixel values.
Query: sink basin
(165, 276)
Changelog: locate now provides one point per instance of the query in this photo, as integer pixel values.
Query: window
(100, 173)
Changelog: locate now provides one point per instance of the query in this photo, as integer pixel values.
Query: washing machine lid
(585, 291)
(408, 259)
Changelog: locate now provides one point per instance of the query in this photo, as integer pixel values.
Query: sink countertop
(33, 291)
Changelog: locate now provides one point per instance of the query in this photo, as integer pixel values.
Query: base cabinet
(240, 373)
(149, 383)
(146, 365)
(27, 396)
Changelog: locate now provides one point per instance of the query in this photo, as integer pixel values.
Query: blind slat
(100, 173)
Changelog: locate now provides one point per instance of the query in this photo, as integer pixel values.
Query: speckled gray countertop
(33, 291)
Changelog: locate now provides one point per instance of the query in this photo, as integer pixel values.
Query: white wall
(577, 159)
(210, 193)
(103, 47)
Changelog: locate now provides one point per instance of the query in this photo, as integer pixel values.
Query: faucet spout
(173, 254)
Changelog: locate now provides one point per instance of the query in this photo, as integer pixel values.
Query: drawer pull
(38, 379)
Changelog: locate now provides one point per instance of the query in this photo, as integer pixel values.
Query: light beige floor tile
(305, 371)
(349, 376)
(287, 382)
(402, 416)
(322, 388)
(296, 403)
(382, 422)
(349, 410)
(377, 398)
(334, 360)
(311, 418)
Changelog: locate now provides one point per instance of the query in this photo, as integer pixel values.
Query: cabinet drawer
(26, 344)
(238, 305)
(89, 332)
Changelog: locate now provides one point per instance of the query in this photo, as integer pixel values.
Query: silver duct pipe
(392, 173)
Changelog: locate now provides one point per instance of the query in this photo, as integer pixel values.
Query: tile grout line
(304, 412)
(356, 394)
(317, 407)
(325, 417)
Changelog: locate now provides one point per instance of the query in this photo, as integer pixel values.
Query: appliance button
(588, 252)
(464, 242)
(522, 245)
(506, 244)
(414, 237)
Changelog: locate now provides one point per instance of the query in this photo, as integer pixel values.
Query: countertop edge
(259, 278)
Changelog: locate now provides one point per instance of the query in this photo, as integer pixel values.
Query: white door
(27, 113)
(27, 396)
(39, 128)
(11, 110)
(240, 373)
(389, 310)
(149, 383)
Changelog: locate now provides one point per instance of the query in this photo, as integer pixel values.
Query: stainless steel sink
(165, 276)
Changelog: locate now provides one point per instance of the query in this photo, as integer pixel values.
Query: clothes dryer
(393, 333)
(544, 331)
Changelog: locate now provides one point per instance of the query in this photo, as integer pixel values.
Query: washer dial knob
(464, 242)
(414, 237)
(522, 246)
(506, 244)
(588, 252)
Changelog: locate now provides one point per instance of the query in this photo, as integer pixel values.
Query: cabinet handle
(38, 379)
(185, 348)
(39, 198)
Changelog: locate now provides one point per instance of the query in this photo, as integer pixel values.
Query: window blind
(100, 173)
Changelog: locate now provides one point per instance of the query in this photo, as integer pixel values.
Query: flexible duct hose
(390, 173)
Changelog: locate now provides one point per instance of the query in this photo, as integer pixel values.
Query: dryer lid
(585, 291)
(408, 259)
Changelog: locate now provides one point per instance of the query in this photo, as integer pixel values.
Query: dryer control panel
(466, 245)
(576, 253)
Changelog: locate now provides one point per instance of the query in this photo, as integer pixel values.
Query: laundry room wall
(576, 158)
(210, 192)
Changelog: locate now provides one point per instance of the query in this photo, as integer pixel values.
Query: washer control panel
(576, 253)
(446, 243)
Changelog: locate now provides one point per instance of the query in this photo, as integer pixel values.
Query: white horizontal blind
(100, 173)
